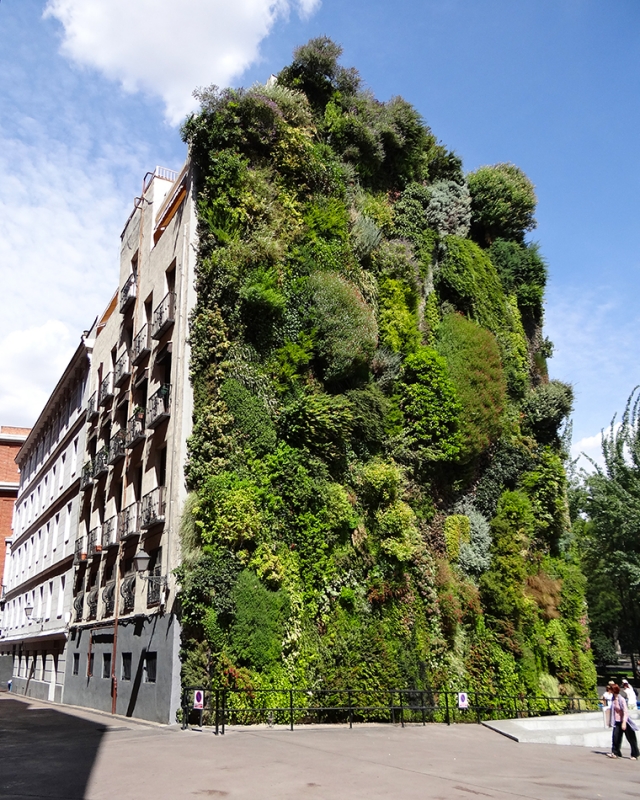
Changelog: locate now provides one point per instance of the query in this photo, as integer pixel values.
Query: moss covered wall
(378, 490)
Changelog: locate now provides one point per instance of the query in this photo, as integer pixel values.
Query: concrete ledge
(581, 730)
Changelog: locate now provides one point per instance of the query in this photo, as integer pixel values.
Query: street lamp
(28, 610)
(141, 561)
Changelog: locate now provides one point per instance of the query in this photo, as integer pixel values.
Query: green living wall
(378, 495)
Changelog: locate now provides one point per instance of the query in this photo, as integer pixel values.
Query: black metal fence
(222, 707)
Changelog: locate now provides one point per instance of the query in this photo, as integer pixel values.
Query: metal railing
(135, 429)
(92, 407)
(106, 389)
(110, 532)
(396, 706)
(128, 521)
(163, 315)
(155, 586)
(78, 606)
(152, 507)
(95, 542)
(159, 406)
(80, 551)
(92, 604)
(128, 292)
(101, 462)
(122, 369)
(108, 598)
(86, 475)
(117, 446)
(141, 345)
(128, 592)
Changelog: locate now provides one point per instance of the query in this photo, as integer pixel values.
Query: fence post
(291, 708)
(446, 702)
(401, 707)
(185, 717)
(424, 722)
(475, 694)
(224, 708)
(350, 709)
(217, 709)
(392, 710)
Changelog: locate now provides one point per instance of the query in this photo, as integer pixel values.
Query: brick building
(11, 440)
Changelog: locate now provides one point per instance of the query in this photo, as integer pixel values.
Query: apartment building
(11, 440)
(38, 566)
(124, 637)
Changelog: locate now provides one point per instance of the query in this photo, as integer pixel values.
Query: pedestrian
(607, 699)
(622, 724)
(632, 700)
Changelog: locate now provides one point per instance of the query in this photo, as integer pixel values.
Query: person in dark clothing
(621, 723)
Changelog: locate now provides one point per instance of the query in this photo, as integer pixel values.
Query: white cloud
(31, 363)
(590, 446)
(168, 47)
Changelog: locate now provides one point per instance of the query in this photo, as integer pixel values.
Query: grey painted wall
(6, 669)
(136, 697)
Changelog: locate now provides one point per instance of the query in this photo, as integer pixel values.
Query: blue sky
(91, 95)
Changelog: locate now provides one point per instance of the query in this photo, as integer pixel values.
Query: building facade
(124, 637)
(38, 566)
(11, 440)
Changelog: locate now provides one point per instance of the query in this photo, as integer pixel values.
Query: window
(53, 481)
(76, 663)
(126, 667)
(44, 494)
(60, 608)
(74, 457)
(106, 665)
(49, 599)
(40, 602)
(45, 546)
(150, 665)
(90, 666)
(56, 532)
(63, 459)
(67, 524)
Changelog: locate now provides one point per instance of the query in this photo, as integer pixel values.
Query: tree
(611, 543)
(503, 200)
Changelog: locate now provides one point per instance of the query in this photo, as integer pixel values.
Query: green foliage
(475, 368)
(430, 408)
(358, 365)
(503, 202)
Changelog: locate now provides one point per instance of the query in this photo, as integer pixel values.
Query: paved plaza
(48, 752)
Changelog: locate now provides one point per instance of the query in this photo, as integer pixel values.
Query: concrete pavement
(48, 752)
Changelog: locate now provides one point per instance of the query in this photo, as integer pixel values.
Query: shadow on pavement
(45, 753)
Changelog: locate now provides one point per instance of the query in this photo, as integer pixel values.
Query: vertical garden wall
(378, 490)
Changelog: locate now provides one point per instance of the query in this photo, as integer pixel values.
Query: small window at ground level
(126, 666)
(106, 665)
(76, 663)
(150, 665)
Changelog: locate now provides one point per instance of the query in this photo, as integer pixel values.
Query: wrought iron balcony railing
(128, 592)
(110, 532)
(92, 407)
(101, 462)
(86, 476)
(78, 606)
(155, 586)
(122, 369)
(141, 346)
(128, 293)
(108, 598)
(106, 389)
(163, 316)
(129, 521)
(159, 406)
(92, 603)
(95, 542)
(117, 446)
(135, 429)
(80, 551)
(152, 508)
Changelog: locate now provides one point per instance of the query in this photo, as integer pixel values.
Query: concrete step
(584, 730)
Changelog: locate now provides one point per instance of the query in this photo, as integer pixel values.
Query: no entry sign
(198, 699)
(463, 700)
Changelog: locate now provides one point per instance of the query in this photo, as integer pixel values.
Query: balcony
(128, 521)
(128, 293)
(159, 406)
(86, 476)
(92, 407)
(135, 429)
(128, 592)
(80, 551)
(95, 542)
(92, 604)
(117, 447)
(106, 390)
(152, 508)
(108, 598)
(101, 462)
(163, 316)
(141, 346)
(110, 532)
(78, 606)
(122, 369)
